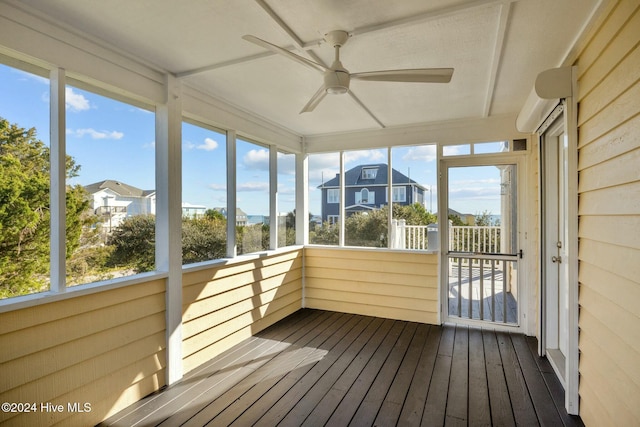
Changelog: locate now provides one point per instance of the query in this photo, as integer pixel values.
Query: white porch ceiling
(497, 48)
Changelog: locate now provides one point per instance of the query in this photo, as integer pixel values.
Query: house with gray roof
(366, 189)
(114, 200)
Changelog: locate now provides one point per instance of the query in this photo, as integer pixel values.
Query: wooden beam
(505, 13)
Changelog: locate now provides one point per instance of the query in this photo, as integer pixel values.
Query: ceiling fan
(337, 78)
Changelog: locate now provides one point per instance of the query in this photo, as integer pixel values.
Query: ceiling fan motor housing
(336, 82)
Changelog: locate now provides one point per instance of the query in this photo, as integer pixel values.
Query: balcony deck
(322, 368)
(469, 298)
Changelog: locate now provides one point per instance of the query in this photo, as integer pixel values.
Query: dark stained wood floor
(318, 368)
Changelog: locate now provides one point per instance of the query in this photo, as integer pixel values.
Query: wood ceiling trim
(496, 60)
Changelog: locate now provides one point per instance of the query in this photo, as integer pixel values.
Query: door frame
(554, 336)
(526, 310)
(566, 111)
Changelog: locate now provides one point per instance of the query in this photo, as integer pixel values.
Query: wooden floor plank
(330, 401)
(302, 388)
(368, 409)
(436, 403)
(318, 368)
(457, 398)
(348, 406)
(479, 412)
(391, 408)
(325, 383)
(315, 353)
(518, 393)
(542, 401)
(210, 405)
(500, 405)
(553, 385)
(411, 414)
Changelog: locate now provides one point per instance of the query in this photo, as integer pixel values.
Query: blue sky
(114, 140)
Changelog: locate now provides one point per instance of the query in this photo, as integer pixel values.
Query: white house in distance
(115, 200)
(241, 216)
(192, 211)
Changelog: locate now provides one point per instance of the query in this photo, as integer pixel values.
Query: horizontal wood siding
(226, 304)
(106, 349)
(390, 284)
(609, 219)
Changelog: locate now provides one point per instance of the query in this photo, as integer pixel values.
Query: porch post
(169, 219)
(57, 191)
(232, 247)
(273, 197)
(302, 199)
(343, 213)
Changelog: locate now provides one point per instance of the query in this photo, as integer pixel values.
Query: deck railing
(471, 239)
(476, 239)
(412, 237)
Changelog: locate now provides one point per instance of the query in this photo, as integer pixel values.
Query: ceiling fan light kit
(337, 78)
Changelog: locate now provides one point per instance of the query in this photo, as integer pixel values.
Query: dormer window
(369, 173)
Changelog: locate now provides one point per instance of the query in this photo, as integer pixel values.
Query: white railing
(475, 239)
(412, 237)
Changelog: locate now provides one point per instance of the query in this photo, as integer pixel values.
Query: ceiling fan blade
(277, 49)
(315, 100)
(364, 107)
(420, 75)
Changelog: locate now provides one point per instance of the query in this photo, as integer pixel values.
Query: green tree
(287, 230)
(25, 213)
(214, 214)
(252, 238)
(485, 219)
(133, 242)
(415, 214)
(204, 238)
(325, 234)
(91, 258)
(456, 220)
(368, 229)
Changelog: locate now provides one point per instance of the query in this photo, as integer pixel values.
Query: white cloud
(365, 156)
(253, 186)
(217, 187)
(76, 102)
(286, 164)
(208, 145)
(323, 167)
(455, 150)
(94, 134)
(425, 153)
(256, 159)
